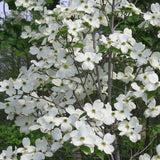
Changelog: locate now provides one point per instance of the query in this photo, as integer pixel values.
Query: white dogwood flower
(88, 59)
(139, 53)
(105, 143)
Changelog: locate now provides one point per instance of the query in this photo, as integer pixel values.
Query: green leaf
(100, 154)
(85, 149)
(49, 1)
(102, 49)
(78, 45)
(87, 25)
(133, 19)
(148, 40)
(70, 157)
(127, 10)
(11, 4)
(19, 53)
(115, 50)
(62, 31)
(82, 115)
(69, 147)
(150, 94)
(156, 130)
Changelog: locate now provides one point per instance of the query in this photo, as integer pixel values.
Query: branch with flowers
(92, 85)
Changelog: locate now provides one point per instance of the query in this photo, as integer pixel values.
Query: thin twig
(112, 157)
(117, 154)
(78, 102)
(112, 21)
(135, 78)
(138, 153)
(110, 77)
(83, 83)
(99, 88)
(99, 85)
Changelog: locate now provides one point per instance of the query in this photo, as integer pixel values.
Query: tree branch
(138, 153)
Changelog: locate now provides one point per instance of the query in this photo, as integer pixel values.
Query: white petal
(26, 142)
(108, 138)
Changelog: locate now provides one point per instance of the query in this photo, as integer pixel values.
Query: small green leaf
(19, 53)
(49, 1)
(78, 45)
(69, 147)
(148, 40)
(62, 31)
(85, 149)
(102, 49)
(156, 130)
(100, 154)
(150, 94)
(87, 25)
(82, 115)
(133, 19)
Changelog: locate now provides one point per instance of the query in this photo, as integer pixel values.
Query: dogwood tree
(93, 84)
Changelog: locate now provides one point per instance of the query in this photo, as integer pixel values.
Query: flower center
(82, 138)
(103, 143)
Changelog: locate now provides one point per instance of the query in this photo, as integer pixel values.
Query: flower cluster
(154, 16)
(77, 89)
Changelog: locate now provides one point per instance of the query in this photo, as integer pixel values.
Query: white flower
(127, 75)
(106, 41)
(42, 147)
(58, 139)
(74, 27)
(24, 122)
(145, 157)
(153, 110)
(87, 7)
(67, 69)
(158, 35)
(108, 116)
(22, 2)
(127, 102)
(25, 106)
(83, 135)
(131, 129)
(139, 53)
(139, 90)
(94, 111)
(46, 123)
(157, 157)
(72, 111)
(154, 17)
(7, 86)
(8, 154)
(88, 59)
(92, 20)
(122, 41)
(150, 80)
(66, 124)
(133, 7)
(27, 33)
(27, 147)
(123, 111)
(105, 143)
(155, 60)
